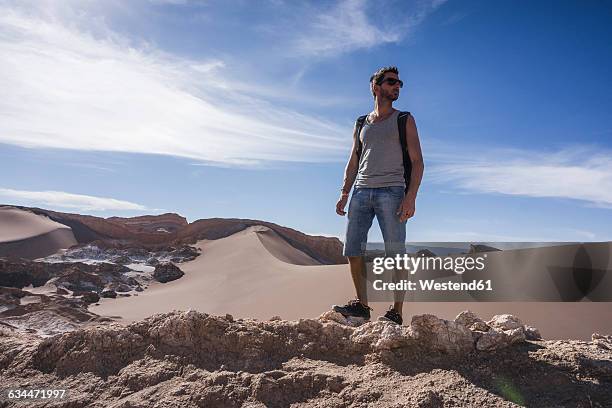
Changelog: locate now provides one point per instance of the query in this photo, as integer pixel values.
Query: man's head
(385, 83)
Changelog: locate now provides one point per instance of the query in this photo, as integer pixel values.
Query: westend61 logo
(411, 264)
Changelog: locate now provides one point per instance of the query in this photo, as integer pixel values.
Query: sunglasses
(392, 81)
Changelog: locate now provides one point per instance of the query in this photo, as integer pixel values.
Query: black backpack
(401, 126)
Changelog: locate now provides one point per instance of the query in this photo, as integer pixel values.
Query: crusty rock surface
(192, 359)
(44, 315)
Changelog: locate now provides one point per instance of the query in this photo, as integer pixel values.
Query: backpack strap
(402, 118)
(358, 126)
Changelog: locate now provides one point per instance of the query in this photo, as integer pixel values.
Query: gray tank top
(381, 163)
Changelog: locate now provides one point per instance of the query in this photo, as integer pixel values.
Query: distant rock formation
(190, 359)
(426, 253)
(160, 232)
(165, 223)
(476, 248)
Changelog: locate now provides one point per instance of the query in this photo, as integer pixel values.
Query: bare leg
(398, 307)
(358, 272)
(398, 295)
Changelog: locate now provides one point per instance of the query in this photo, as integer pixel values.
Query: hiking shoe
(393, 316)
(354, 308)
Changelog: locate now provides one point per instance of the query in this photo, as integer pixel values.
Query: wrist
(410, 196)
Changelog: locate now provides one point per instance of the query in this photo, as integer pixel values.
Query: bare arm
(352, 166)
(350, 173)
(407, 208)
(416, 157)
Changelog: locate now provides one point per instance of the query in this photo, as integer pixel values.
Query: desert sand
(257, 274)
(27, 235)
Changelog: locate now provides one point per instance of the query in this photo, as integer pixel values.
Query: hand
(406, 209)
(341, 204)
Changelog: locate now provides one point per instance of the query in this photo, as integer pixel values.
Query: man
(376, 166)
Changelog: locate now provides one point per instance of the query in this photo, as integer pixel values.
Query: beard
(392, 96)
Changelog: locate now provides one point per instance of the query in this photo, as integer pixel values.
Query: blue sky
(244, 109)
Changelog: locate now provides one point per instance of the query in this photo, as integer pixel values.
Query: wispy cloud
(349, 26)
(580, 172)
(65, 88)
(63, 200)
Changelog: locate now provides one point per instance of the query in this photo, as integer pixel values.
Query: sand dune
(27, 235)
(239, 275)
(282, 250)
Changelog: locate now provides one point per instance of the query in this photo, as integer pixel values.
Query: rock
(18, 273)
(380, 335)
(441, 335)
(108, 293)
(481, 248)
(479, 326)
(602, 341)
(75, 279)
(467, 318)
(496, 339)
(61, 291)
(429, 399)
(425, 253)
(331, 316)
(119, 287)
(122, 260)
(191, 358)
(166, 272)
(152, 261)
(11, 297)
(505, 322)
(183, 254)
(105, 268)
(89, 297)
(531, 333)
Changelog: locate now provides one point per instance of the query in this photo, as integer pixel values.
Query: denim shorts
(382, 202)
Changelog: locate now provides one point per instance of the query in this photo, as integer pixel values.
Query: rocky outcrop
(125, 256)
(501, 331)
(166, 223)
(191, 359)
(74, 276)
(45, 315)
(18, 273)
(166, 272)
